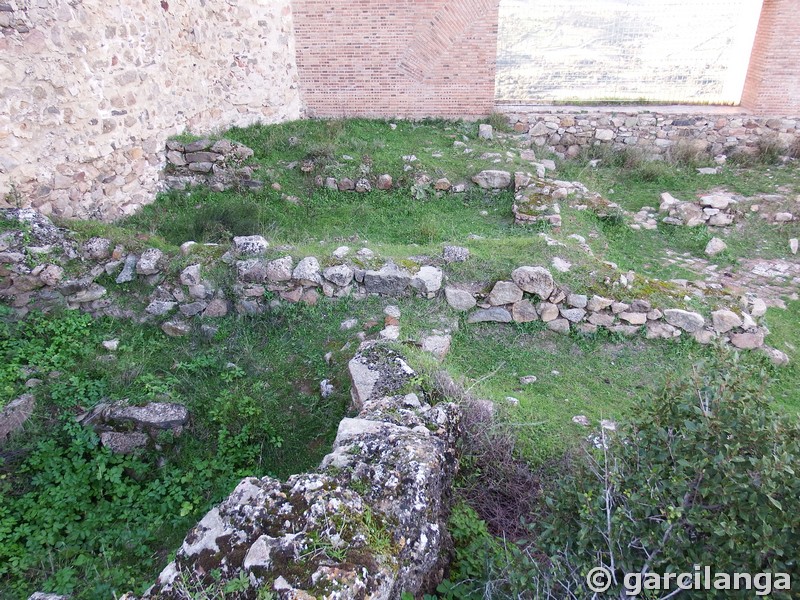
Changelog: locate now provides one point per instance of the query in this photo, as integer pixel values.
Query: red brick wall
(396, 58)
(773, 77)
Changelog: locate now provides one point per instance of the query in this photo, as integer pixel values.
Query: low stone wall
(657, 131)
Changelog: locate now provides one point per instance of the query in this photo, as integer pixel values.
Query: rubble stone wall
(568, 129)
(91, 91)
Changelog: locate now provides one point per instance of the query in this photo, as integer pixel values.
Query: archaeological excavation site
(368, 300)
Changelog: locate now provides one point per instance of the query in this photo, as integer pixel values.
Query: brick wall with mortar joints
(386, 59)
(772, 85)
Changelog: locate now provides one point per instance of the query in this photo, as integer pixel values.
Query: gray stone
(390, 280)
(641, 306)
(459, 299)
(504, 292)
(154, 416)
(494, 314)
(250, 245)
(725, 320)
(783, 217)
(485, 131)
(190, 275)
(176, 328)
(341, 252)
(577, 300)
(758, 308)
(619, 307)
(660, 330)
(427, 281)
(601, 319)
(307, 271)
(192, 308)
(777, 357)
(492, 179)
(715, 201)
(685, 320)
(547, 311)
(715, 246)
(90, 294)
(534, 280)
(128, 272)
(453, 254)
(149, 262)
(252, 270)
(720, 220)
(97, 248)
(124, 443)
(559, 325)
(14, 415)
(634, 318)
(573, 315)
(280, 269)
(748, 341)
(340, 275)
(160, 307)
(626, 330)
(438, 345)
(793, 245)
(704, 336)
(524, 312)
(216, 308)
(598, 303)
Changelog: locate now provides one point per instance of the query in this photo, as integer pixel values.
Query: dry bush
(688, 153)
(794, 148)
(496, 483)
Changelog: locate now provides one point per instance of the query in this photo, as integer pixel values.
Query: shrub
(704, 475)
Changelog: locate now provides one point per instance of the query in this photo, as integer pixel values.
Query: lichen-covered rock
(308, 271)
(372, 523)
(250, 245)
(149, 262)
(340, 275)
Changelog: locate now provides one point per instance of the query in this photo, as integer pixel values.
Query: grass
(253, 388)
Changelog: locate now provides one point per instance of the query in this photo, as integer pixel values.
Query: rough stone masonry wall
(773, 77)
(567, 130)
(392, 58)
(91, 89)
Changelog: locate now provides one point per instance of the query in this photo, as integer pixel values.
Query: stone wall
(91, 90)
(397, 58)
(714, 130)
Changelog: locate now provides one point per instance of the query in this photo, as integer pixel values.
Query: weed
(499, 122)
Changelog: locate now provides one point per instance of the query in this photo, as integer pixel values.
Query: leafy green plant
(703, 475)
